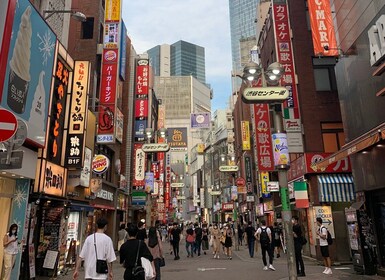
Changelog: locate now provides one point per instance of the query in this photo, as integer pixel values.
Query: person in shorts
(322, 233)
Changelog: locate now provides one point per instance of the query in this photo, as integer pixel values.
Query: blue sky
(202, 22)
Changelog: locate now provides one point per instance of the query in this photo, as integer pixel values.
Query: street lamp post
(76, 15)
(273, 73)
(231, 168)
(150, 149)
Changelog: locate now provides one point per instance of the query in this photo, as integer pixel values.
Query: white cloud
(201, 22)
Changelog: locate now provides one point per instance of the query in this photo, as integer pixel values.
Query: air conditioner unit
(99, 49)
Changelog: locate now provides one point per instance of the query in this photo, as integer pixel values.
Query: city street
(240, 267)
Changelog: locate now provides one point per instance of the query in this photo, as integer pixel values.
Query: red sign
(141, 108)
(8, 125)
(285, 57)
(263, 137)
(228, 206)
(142, 78)
(322, 28)
(341, 166)
(240, 182)
(108, 83)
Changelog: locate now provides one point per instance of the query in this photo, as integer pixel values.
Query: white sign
(85, 173)
(325, 213)
(295, 142)
(272, 186)
(139, 165)
(376, 36)
(106, 195)
(293, 125)
(153, 147)
(265, 94)
(215, 192)
(250, 198)
(228, 168)
(177, 185)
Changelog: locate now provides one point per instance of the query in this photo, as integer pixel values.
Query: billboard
(177, 138)
(26, 68)
(200, 120)
(142, 78)
(245, 130)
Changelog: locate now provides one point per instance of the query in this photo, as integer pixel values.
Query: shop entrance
(7, 189)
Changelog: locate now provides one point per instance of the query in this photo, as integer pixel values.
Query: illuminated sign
(100, 164)
(265, 94)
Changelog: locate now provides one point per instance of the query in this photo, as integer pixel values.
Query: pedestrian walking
(228, 241)
(154, 244)
(263, 234)
(205, 238)
(98, 246)
(10, 243)
(198, 239)
(216, 238)
(324, 246)
(190, 240)
(277, 236)
(133, 250)
(122, 235)
(250, 234)
(175, 236)
(142, 233)
(240, 234)
(298, 243)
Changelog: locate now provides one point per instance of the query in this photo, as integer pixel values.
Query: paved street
(240, 267)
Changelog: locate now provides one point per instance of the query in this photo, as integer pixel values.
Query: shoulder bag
(101, 265)
(138, 270)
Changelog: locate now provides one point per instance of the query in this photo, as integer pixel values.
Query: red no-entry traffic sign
(8, 125)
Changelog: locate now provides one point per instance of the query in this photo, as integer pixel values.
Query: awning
(336, 188)
(361, 143)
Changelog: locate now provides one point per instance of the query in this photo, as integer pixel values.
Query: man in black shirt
(175, 235)
(198, 239)
(142, 234)
(298, 241)
(250, 231)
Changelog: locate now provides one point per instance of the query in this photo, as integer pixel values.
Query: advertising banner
(142, 78)
(200, 120)
(285, 57)
(52, 179)
(140, 126)
(119, 125)
(322, 28)
(234, 193)
(26, 73)
(111, 35)
(141, 109)
(149, 182)
(245, 130)
(123, 52)
(263, 137)
(112, 10)
(281, 150)
(177, 138)
(264, 179)
(139, 165)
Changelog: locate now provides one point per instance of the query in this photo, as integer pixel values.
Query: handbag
(138, 270)
(148, 270)
(101, 265)
(162, 262)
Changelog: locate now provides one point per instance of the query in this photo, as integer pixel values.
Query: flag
(300, 195)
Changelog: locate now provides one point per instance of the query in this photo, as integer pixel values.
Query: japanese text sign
(263, 137)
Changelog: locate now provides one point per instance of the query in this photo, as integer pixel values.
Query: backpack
(329, 238)
(264, 237)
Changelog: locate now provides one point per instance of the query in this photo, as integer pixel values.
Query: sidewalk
(312, 267)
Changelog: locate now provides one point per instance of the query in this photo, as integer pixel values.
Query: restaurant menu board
(50, 228)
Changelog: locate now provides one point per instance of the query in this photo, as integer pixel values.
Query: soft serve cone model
(38, 104)
(19, 76)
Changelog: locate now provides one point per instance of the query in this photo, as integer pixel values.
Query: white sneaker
(265, 268)
(329, 271)
(218, 256)
(326, 269)
(271, 267)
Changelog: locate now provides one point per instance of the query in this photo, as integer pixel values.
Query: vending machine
(361, 239)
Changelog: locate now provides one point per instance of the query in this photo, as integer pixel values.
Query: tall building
(243, 14)
(179, 59)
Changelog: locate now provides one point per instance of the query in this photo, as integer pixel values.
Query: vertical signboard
(285, 57)
(123, 52)
(263, 137)
(56, 145)
(245, 130)
(142, 78)
(139, 165)
(78, 115)
(26, 65)
(264, 179)
(322, 28)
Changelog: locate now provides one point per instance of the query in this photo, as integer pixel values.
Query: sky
(202, 22)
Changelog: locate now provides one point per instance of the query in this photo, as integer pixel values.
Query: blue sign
(123, 52)
(200, 120)
(140, 126)
(28, 76)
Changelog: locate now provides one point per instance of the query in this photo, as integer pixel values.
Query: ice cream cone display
(38, 103)
(19, 76)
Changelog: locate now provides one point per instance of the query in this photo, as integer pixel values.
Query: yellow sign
(264, 178)
(112, 10)
(245, 130)
(200, 148)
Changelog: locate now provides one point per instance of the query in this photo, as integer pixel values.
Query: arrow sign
(155, 147)
(327, 222)
(8, 125)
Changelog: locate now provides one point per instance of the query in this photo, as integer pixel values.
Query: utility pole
(285, 201)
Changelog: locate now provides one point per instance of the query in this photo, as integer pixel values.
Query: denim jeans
(188, 246)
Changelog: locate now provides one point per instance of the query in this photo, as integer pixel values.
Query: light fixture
(162, 132)
(149, 133)
(79, 16)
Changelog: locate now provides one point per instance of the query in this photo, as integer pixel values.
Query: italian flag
(300, 194)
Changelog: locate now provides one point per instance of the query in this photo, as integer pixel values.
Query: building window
(333, 137)
(88, 28)
(324, 75)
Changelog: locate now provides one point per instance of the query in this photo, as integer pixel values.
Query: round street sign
(240, 181)
(8, 125)
(18, 139)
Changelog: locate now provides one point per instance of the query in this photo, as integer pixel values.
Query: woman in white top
(10, 250)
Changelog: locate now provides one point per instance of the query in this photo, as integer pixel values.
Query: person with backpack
(298, 243)
(263, 234)
(324, 242)
(277, 236)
